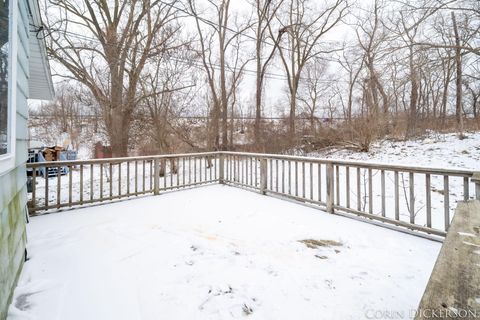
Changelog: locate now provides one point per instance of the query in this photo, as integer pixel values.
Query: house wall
(13, 192)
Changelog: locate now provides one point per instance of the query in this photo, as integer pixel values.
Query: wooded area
(159, 76)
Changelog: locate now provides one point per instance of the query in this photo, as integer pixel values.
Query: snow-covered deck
(216, 252)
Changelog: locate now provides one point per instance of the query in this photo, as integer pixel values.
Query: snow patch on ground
(216, 253)
(435, 150)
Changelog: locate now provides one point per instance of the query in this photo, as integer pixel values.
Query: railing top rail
(116, 160)
(355, 163)
(351, 163)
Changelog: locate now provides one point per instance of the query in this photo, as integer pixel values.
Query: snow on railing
(415, 198)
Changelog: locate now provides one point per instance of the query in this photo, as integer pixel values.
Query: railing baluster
(253, 161)
(136, 177)
(150, 174)
(111, 180)
(156, 176)
(446, 201)
(46, 186)
(289, 177)
(296, 178)
(101, 181)
(276, 175)
(143, 176)
(397, 197)
(240, 170)
(195, 169)
(311, 181)
(177, 161)
(234, 169)
(303, 179)
(359, 190)
(59, 186)
(172, 170)
(128, 178)
(183, 171)
(412, 197)
(428, 193)
(254, 172)
(382, 178)
(34, 189)
(189, 170)
(370, 191)
(91, 182)
(205, 167)
(330, 187)
(466, 189)
(245, 164)
(283, 176)
(337, 183)
(120, 180)
(164, 166)
(263, 175)
(81, 184)
(271, 174)
(70, 182)
(246, 170)
(319, 173)
(347, 186)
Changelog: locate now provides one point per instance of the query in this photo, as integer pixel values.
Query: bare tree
(305, 27)
(352, 63)
(118, 39)
(458, 80)
(215, 44)
(312, 89)
(372, 36)
(265, 11)
(67, 114)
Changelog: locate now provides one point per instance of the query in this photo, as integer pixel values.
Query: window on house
(4, 67)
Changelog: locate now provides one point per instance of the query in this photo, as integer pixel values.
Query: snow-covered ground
(434, 150)
(216, 253)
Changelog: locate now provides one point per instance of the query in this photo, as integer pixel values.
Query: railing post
(156, 176)
(476, 180)
(330, 188)
(221, 168)
(263, 175)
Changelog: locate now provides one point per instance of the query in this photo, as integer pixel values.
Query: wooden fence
(415, 198)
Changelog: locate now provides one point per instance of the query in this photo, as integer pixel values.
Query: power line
(206, 21)
(196, 117)
(268, 75)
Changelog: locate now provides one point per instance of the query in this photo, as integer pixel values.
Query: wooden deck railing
(416, 198)
(100, 180)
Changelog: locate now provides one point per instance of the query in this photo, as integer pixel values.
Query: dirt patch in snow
(314, 244)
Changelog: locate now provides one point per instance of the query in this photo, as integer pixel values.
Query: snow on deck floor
(216, 253)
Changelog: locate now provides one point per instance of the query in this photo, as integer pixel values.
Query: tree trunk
(258, 97)
(458, 82)
(118, 134)
(413, 97)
